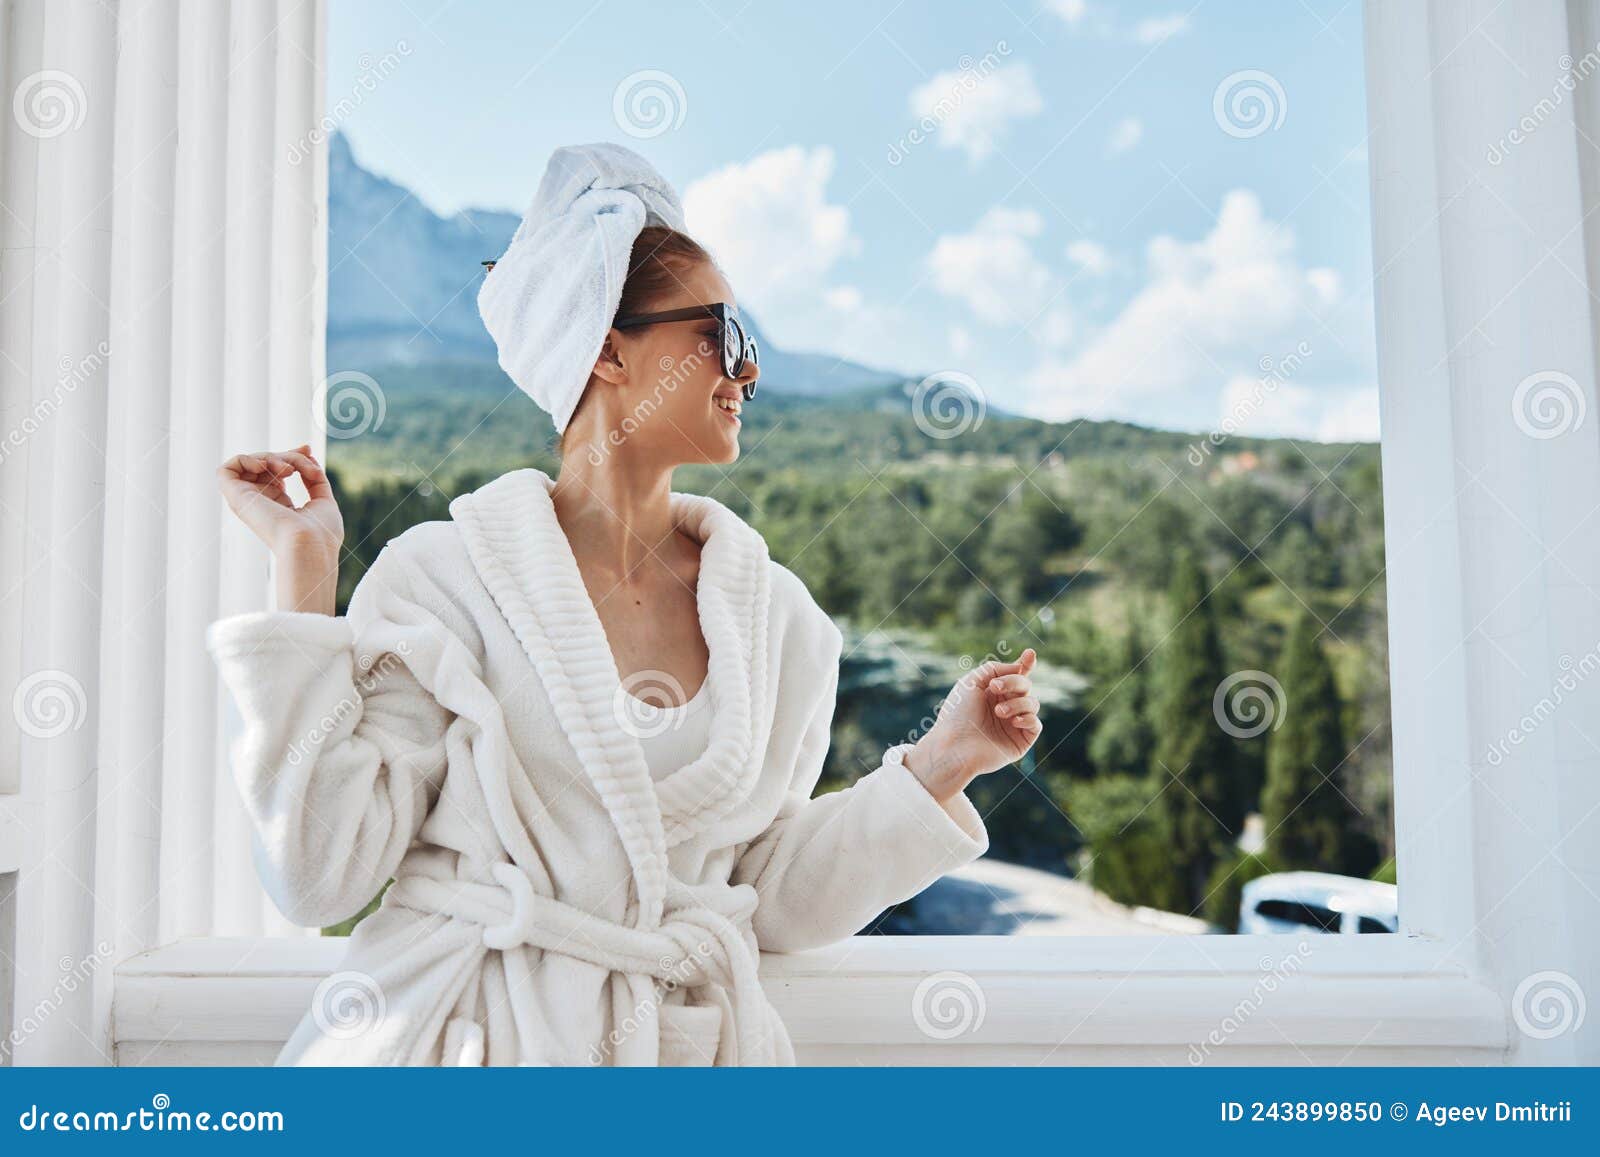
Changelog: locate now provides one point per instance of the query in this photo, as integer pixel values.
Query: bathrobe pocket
(689, 1034)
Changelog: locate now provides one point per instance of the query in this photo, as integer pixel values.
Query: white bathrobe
(460, 729)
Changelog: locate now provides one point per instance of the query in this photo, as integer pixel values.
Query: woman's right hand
(305, 540)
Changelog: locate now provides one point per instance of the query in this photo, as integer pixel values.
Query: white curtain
(162, 280)
(1484, 150)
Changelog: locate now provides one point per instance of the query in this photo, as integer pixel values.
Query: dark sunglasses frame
(726, 318)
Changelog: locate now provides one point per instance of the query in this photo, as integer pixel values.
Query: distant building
(1241, 463)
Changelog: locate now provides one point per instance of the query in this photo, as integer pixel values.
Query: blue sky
(1061, 199)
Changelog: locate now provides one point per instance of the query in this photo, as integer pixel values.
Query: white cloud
(993, 269)
(1260, 407)
(960, 340)
(1004, 219)
(1129, 131)
(1089, 256)
(974, 112)
(1072, 11)
(1267, 408)
(1158, 28)
(1082, 18)
(1351, 418)
(1209, 308)
(1057, 327)
(1325, 282)
(842, 297)
(769, 224)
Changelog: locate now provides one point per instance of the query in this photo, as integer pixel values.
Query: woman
(585, 862)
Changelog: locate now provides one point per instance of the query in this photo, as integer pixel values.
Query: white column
(137, 416)
(241, 392)
(55, 395)
(157, 246)
(1484, 250)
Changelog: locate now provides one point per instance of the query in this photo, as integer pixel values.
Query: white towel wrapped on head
(553, 293)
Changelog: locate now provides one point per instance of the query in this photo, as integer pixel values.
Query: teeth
(730, 404)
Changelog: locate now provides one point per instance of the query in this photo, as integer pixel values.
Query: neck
(617, 514)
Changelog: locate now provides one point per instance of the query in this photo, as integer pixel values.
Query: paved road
(989, 897)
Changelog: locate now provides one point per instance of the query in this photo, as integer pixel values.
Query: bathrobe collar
(524, 559)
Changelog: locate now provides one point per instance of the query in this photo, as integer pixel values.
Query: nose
(748, 377)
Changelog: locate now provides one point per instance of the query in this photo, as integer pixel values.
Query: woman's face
(675, 399)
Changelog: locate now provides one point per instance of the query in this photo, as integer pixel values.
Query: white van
(1319, 901)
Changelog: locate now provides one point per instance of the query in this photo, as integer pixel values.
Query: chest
(653, 630)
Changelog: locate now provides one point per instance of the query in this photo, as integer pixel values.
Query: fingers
(312, 474)
(1012, 688)
(242, 490)
(1022, 705)
(1020, 666)
(1017, 683)
(994, 667)
(268, 468)
(1027, 724)
(248, 467)
(257, 467)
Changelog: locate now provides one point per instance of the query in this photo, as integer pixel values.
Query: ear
(608, 366)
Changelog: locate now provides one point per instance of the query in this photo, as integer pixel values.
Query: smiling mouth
(729, 406)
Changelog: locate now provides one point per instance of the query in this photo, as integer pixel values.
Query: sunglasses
(738, 347)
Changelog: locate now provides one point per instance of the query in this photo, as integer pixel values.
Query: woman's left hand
(988, 721)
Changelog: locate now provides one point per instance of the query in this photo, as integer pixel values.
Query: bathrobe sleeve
(342, 752)
(827, 865)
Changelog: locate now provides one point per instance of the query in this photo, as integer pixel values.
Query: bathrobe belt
(694, 945)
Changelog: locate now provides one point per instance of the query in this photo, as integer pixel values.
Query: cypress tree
(1204, 808)
(1123, 738)
(1130, 851)
(1310, 821)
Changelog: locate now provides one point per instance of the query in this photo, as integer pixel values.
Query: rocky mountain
(402, 280)
(403, 284)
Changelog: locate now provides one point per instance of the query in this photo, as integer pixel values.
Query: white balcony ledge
(1258, 1000)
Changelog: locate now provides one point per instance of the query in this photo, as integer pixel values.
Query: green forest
(1165, 580)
